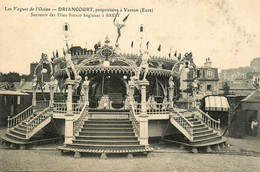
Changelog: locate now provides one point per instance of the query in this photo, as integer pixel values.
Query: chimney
(208, 63)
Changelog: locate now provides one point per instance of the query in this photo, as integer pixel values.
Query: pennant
(125, 18)
(147, 44)
(57, 54)
(141, 28)
(170, 53)
(159, 48)
(179, 57)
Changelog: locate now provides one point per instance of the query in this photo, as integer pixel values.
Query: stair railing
(184, 122)
(133, 118)
(59, 107)
(39, 118)
(214, 124)
(78, 123)
(77, 107)
(11, 122)
(157, 108)
(136, 107)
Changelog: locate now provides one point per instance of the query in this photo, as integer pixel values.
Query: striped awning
(216, 103)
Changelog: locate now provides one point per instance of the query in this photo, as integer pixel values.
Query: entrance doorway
(109, 89)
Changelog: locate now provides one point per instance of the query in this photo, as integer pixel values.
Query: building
(115, 103)
(208, 78)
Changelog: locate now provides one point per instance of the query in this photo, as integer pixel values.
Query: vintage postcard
(168, 85)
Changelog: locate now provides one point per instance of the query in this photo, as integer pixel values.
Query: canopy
(16, 93)
(216, 103)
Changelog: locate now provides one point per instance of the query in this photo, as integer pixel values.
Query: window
(210, 74)
(209, 87)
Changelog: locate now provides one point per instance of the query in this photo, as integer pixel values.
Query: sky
(227, 31)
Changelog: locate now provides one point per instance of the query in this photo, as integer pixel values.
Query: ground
(240, 155)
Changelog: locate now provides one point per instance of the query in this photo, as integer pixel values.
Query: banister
(77, 123)
(21, 112)
(134, 120)
(11, 122)
(210, 118)
(31, 122)
(186, 120)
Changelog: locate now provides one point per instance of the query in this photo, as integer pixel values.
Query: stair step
(213, 142)
(206, 140)
(20, 134)
(195, 133)
(204, 136)
(108, 122)
(108, 118)
(109, 113)
(22, 126)
(107, 142)
(115, 147)
(195, 122)
(22, 130)
(192, 119)
(108, 125)
(102, 133)
(200, 129)
(107, 137)
(15, 137)
(198, 125)
(107, 129)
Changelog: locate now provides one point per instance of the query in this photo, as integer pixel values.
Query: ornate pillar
(51, 86)
(86, 90)
(69, 114)
(171, 92)
(34, 98)
(131, 91)
(143, 118)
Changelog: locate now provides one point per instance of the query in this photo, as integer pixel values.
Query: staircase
(199, 128)
(22, 127)
(107, 132)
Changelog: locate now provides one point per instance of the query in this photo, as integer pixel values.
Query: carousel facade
(115, 102)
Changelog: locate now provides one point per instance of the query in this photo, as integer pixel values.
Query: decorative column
(51, 86)
(131, 91)
(86, 90)
(34, 98)
(143, 118)
(171, 96)
(69, 114)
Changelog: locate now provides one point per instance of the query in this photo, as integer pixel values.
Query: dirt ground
(239, 155)
(38, 160)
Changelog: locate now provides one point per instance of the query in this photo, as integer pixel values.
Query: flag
(125, 18)
(132, 44)
(170, 53)
(141, 28)
(159, 48)
(175, 54)
(57, 54)
(147, 44)
(179, 57)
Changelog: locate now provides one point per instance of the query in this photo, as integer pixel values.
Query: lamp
(44, 70)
